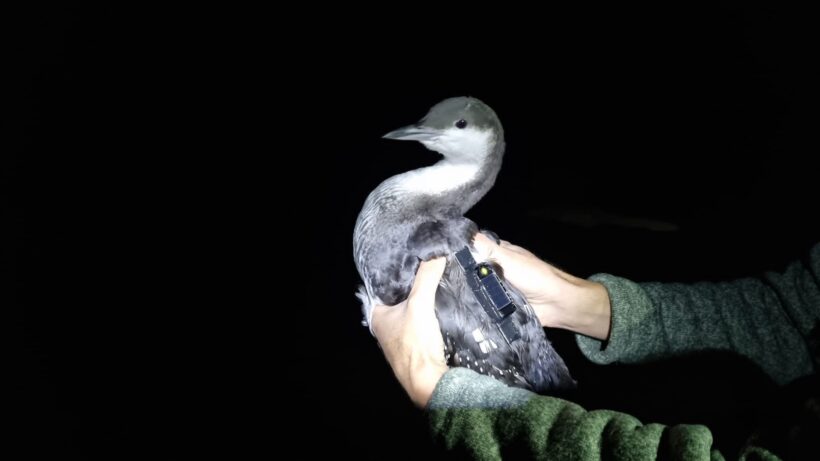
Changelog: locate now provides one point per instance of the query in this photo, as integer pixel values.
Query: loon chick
(419, 215)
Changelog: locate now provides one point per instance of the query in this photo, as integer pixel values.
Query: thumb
(426, 282)
(502, 253)
(489, 249)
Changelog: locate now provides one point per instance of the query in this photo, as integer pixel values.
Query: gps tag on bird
(490, 293)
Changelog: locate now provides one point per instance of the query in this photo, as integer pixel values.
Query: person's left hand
(410, 335)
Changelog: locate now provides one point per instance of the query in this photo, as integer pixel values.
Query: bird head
(462, 129)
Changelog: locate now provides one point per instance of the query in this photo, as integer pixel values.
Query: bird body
(419, 215)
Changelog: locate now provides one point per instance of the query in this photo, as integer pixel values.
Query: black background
(180, 188)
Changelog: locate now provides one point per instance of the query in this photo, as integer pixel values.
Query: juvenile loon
(419, 215)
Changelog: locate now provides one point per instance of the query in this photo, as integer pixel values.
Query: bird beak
(413, 133)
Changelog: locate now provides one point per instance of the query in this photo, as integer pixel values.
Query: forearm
(656, 320)
(584, 308)
(485, 419)
(421, 380)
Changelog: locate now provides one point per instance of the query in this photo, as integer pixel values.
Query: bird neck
(456, 185)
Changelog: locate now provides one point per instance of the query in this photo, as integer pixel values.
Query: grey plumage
(419, 215)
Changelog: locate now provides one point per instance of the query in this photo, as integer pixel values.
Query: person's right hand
(560, 300)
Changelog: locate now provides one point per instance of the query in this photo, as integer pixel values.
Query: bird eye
(461, 124)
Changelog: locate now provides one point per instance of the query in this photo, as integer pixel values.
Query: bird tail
(367, 307)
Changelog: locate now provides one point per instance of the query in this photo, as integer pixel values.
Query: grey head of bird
(462, 129)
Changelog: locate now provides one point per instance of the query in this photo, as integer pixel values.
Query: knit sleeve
(481, 418)
(768, 320)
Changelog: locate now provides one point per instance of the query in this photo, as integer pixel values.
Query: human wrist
(583, 307)
(422, 382)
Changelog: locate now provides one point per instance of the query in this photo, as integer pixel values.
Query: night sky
(179, 191)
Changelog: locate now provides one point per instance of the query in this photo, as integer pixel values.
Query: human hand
(560, 300)
(410, 335)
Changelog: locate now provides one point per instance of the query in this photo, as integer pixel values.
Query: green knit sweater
(768, 320)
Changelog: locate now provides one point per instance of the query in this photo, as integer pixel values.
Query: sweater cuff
(631, 308)
(464, 388)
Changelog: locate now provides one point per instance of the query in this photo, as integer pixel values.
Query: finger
(502, 252)
(484, 245)
(427, 278)
(507, 246)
